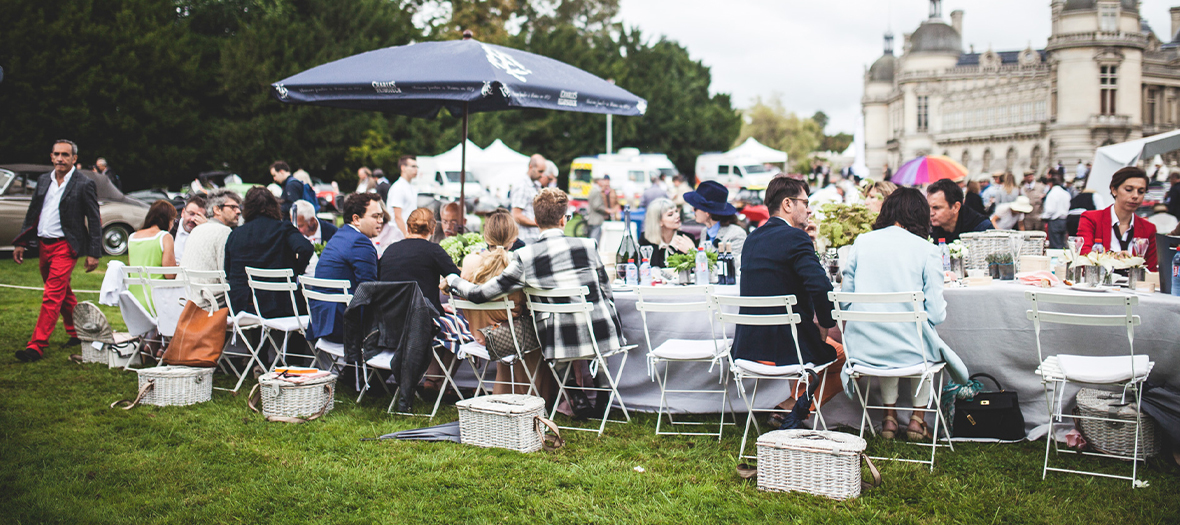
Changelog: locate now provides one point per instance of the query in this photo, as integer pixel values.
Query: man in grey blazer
(63, 219)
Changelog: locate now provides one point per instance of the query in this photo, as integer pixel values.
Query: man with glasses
(206, 243)
(450, 225)
(63, 218)
(779, 259)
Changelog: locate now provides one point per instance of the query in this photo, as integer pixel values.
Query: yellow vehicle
(630, 171)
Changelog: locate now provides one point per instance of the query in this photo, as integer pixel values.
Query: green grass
(67, 457)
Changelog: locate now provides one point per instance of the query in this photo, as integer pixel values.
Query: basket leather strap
(864, 485)
(549, 442)
(256, 397)
(143, 390)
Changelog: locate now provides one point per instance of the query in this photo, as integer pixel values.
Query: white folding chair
(713, 351)
(209, 285)
(575, 304)
(280, 280)
(167, 285)
(335, 291)
(481, 352)
(1056, 371)
(743, 369)
(140, 320)
(917, 373)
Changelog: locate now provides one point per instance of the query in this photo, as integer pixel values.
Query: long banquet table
(986, 326)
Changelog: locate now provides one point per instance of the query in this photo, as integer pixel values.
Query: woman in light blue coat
(896, 257)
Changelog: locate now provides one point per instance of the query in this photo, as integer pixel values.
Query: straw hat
(1022, 205)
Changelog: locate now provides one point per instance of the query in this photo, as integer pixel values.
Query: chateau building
(1104, 77)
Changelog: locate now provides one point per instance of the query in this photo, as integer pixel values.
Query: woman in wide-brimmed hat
(712, 209)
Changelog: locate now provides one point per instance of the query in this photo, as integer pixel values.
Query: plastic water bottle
(645, 273)
(1176, 275)
(1098, 246)
(632, 273)
(702, 266)
(946, 255)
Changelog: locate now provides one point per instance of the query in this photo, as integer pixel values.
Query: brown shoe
(917, 430)
(889, 427)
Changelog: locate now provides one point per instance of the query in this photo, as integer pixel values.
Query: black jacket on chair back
(779, 259)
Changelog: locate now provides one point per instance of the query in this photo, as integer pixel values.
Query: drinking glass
(1075, 246)
(1139, 247)
(1014, 244)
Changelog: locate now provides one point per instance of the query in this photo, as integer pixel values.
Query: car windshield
(582, 175)
(669, 172)
(6, 178)
(453, 176)
(755, 168)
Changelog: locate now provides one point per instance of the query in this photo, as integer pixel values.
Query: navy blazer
(265, 243)
(779, 259)
(349, 256)
(80, 221)
(327, 230)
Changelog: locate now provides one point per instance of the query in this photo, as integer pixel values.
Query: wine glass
(1014, 244)
(1139, 247)
(1075, 246)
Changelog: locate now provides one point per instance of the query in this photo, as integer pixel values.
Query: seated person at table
(314, 229)
(499, 232)
(206, 244)
(152, 246)
(779, 259)
(1117, 224)
(712, 209)
(557, 261)
(264, 241)
(349, 255)
(661, 231)
(896, 257)
(948, 216)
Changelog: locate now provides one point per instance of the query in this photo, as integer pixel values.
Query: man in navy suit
(351, 256)
(779, 259)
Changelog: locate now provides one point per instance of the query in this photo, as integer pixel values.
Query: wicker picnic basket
(812, 461)
(90, 354)
(172, 386)
(982, 244)
(1112, 437)
(283, 400)
(501, 421)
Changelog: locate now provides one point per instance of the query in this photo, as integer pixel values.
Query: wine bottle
(628, 249)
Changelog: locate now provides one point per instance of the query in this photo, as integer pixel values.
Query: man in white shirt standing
(403, 195)
(63, 218)
(522, 195)
(1056, 208)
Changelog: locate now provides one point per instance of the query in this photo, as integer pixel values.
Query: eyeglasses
(231, 206)
(804, 201)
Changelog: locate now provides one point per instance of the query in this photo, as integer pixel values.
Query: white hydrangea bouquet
(1108, 260)
(463, 244)
(958, 250)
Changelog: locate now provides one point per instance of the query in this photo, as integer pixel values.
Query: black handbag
(499, 342)
(993, 415)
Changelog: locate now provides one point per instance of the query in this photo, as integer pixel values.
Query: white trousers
(889, 392)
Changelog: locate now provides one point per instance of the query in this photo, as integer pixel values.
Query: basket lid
(813, 440)
(173, 371)
(503, 403)
(1106, 401)
(275, 378)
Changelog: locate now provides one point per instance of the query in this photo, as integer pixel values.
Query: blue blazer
(327, 230)
(348, 255)
(779, 259)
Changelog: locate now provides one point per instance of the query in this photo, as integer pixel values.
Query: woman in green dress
(152, 245)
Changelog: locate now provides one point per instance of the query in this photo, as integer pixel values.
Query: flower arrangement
(1108, 260)
(462, 245)
(842, 223)
(958, 250)
(319, 248)
(685, 262)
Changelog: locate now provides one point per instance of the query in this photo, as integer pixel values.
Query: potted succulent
(1000, 266)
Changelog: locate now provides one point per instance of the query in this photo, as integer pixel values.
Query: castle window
(1108, 17)
(1149, 111)
(1108, 82)
(923, 113)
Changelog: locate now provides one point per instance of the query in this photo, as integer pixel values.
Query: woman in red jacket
(1116, 225)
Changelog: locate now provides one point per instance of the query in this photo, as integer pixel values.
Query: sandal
(922, 435)
(886, 431)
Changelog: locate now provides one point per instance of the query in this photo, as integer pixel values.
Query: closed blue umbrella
(464, 76)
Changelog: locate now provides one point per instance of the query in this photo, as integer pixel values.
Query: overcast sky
(814, 52)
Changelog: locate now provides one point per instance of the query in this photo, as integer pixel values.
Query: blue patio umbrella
(464, 76)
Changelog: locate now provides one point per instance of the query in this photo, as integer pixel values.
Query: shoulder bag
(991, 414)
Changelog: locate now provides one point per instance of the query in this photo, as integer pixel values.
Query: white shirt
(49, 224)
(317, 237)
(402, 194)
(1081, 171)
(1111, 243)
(179, 242)
(522, 195)
(1056, 204)
(1007, 218)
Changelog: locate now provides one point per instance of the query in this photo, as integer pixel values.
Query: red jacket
(1096, 224)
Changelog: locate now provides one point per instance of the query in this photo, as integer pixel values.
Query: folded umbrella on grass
(443, 432)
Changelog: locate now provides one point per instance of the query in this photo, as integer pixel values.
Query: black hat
(711, 197)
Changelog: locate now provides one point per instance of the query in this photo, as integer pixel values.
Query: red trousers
(57, 263)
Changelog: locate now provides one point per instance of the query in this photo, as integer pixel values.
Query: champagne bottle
(628, 249)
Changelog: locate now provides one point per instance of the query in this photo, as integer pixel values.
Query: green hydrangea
(461, 245)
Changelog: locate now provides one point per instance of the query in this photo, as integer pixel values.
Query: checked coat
(557, 261)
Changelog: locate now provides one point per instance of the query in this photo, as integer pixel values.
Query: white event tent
(1109, 159)
(758, 152)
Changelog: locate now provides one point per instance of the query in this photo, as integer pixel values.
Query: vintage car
(121, 215)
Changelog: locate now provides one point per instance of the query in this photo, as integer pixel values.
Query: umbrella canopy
(927, 169)
(463, 76)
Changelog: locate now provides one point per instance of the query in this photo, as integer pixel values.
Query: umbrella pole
(463, 174)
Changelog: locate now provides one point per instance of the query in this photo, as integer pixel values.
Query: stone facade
(1104, 77)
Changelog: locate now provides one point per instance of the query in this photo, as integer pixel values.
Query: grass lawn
(67, 457)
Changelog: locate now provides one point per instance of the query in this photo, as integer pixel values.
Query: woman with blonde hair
(500, 232)
(661, 231)
(876, 193)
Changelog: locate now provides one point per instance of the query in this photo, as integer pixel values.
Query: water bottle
(632, 273)
(702, 267)
(1176, 275)
(645, 273)
(1098, 247)
(946, 255)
